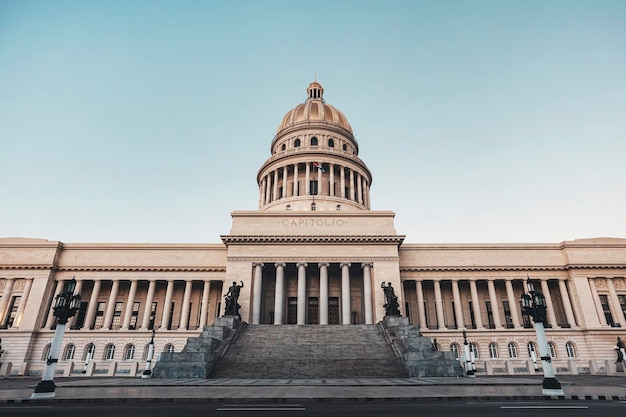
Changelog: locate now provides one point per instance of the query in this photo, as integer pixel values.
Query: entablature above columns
(347, 239)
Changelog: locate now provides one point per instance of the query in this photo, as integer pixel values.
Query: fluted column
(331, 180)
(147, 310)
(93, 304)
(441, 320)
(268, 188)
(262, 193)
(597, 302)
(359, 188)
(342, 172)
(129, 304)
(279, 298)
(167, 308)
(420, 304)
(513, 303)
(284, 181)
(345, 293)
(546, 292)
(25, 294)
(475, 304)
(367, 292)
(108, 317)
(323, 293)
(319, 182)
(615, 305)
(301, 293)
(275, 186)
(567, 304)
(458, 307)
(204, 312)
(307, 177)
(6, 295)
(184, 320)
(258, 287)
(51, 318)
(495, 308)
(352, 198)
(295, 179)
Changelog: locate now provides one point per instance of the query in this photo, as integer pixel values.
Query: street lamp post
(66, 305)
(621, 355)
(469, 366)
(534, 306)
(148, 372)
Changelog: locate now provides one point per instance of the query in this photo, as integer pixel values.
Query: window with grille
(512, 350)
(569, 348)
(69, 352)
(109, 353)
(129, 353)
(493, 351)
(455, 349)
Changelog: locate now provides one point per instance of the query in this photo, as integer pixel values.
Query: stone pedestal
(416, 351)
(200, 354)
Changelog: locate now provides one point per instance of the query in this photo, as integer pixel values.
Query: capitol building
(313, 253)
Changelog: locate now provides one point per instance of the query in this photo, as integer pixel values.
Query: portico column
(475, 306)
(258, 287)
(546, 292)
(51, 318)
(284, 182)
(4, 302)
(367, 292)
(268, 188)
(295, 179)
(614, 301)
(129, 304)
(93, 304)
(567, 304)
(319, 182)
(25, 294)
(345, 293)
(597, 302)
(262, 193)
(204, 312)
(458, 307)
(108, 317)
(352, 185)
(279, 298)
(441, 321)
(359, 188)
(307, 177)
(184, 320)
(301, 293)
(331, 181)
(420, 304)
(167, 308)
(323, 293)
(147, 310)
(342, 172)
(513, 304)
(495, 309)
(275, 186)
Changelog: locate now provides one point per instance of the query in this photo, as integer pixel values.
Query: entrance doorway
(333, 310)
(292, 310)
(313, 313)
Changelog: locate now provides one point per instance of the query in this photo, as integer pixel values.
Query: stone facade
(313, 253)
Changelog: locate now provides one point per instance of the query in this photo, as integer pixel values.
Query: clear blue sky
(147, 121)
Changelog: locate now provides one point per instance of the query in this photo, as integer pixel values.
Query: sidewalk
(94, 389)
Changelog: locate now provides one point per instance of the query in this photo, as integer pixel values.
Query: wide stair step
(296, 351)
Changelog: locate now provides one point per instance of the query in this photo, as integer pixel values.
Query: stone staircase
(292, 351)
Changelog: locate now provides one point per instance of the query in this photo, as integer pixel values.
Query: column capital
(255, 264)
(323, 264)
(302, 264)
(280, 265)
(345, 264)
(367, 265)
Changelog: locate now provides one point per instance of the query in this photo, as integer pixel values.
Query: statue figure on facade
(231, 297)
(392, 308)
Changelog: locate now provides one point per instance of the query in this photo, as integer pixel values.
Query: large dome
(314, 109)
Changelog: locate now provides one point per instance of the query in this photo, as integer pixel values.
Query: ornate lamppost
(621, 355)
(148, 372)
(534, 306)
(66, 305)
(469, 364)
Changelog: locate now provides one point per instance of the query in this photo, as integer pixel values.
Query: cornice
(507, 268)
(305, 239)
(146, 268)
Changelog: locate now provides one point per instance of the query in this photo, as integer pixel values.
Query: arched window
(338, 207)
(296, 143)
(313, 141)
(109, 352)
(46, 352)
(282, 148)
(474, 350)
(129, 352)
(531, 349)
(552, 349)
(571, 351)
(69, 352)
(512, 350)
(90, 350)
(331, 143)
(454, 348)
(168, 348)
(493, 350)
(345, 147)
(288, 207)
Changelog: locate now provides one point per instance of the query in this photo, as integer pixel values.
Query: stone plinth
(416, 351)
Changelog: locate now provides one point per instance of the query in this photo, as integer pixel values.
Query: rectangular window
(313, 187)
(12, 312)
(456, 325)
(134, 316)
(507, 314)
(117, 316)
(171, 318)
(622, 303)
(490, 322)
(99, 315)
(606, 309)
(152, 315)
(472, 318)
(80, 316)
